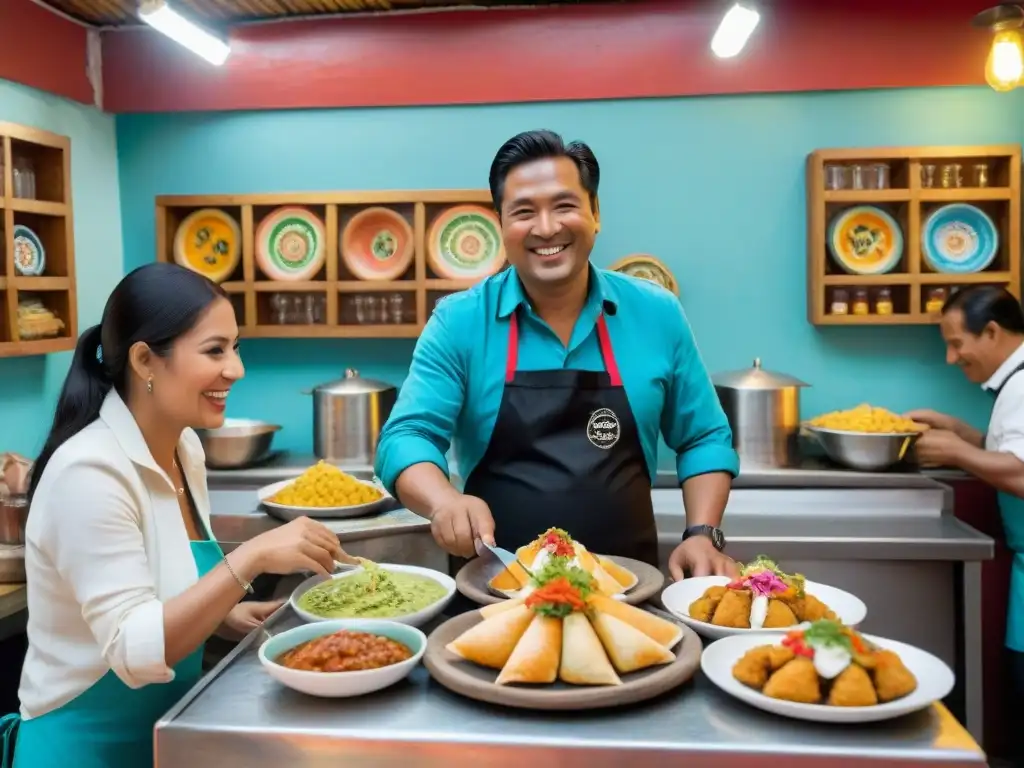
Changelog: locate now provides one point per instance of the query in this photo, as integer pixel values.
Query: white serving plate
(678, 596)
(287, 513)
(342, 684)
(412, 619)
(934, 682)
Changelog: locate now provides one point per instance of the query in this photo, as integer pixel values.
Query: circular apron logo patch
(603, 428)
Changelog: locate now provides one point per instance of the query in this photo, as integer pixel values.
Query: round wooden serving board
(476, 682)
(472, 578)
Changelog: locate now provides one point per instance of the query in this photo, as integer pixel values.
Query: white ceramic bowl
(417, 619)
(342, 684)
(934, 682)
(677, 598)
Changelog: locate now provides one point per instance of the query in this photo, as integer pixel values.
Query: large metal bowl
(238, 443)
(866, 451)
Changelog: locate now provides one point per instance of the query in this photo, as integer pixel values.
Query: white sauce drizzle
(758, 611)
(830, 660)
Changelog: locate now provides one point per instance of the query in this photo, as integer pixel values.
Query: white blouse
(105, 547)
(1006, 425)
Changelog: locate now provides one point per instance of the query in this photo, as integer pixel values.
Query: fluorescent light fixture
(164, 19)
(737, 26)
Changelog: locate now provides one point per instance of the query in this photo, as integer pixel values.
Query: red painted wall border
(637, 49)
(42, 50)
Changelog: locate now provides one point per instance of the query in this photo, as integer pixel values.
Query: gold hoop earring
(149, 385)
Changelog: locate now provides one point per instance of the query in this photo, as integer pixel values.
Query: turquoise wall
(29, 385)
(713, 186)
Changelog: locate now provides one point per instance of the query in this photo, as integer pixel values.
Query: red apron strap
(513, 348)
(512, 360)
(606, 352)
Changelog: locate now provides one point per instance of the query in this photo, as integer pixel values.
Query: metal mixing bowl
(239, 443)
(866, 451)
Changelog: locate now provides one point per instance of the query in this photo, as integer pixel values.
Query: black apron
(565, 452)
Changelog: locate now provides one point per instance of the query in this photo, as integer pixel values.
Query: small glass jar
(979, 175)
(928, 176)
(860, 302)
(878, 176)
(840, 304)
(883, 302)
(935, 300)
(859, 177)
(951, 176)
(836, 176)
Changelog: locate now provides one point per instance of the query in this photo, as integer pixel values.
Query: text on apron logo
(603, 428)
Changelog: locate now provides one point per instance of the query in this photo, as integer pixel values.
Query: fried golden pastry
(892, 678)
(734, 610)
(702, 610)
(810, 608)
(779, 655)
(752, 668)
(853, 688)
(779, 615)
(795, 681)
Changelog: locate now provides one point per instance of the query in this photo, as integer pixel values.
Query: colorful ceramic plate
(290, 244)
(865, 240)
(646, 267)
(29, 253)
(377, 244)
(959, 239)
(465, 243)
(209, 242)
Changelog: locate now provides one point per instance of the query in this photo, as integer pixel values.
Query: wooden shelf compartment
(343, 306)
(910, 201)
(48, 213)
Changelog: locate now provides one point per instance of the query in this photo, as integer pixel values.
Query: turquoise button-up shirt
(457, 376)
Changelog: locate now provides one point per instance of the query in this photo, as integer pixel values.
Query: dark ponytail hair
(154, 304)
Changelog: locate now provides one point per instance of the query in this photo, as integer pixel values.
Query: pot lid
(353, 384)
(756, 377)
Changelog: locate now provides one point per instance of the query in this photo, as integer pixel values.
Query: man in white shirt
(983, 327)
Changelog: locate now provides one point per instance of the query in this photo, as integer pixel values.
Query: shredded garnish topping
(560, 589)
(763, 577)
(558, 543)
(825, 634)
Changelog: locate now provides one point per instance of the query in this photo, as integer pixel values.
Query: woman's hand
(245, 617)
(301, 545)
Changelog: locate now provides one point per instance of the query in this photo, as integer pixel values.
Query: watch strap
(713, 533)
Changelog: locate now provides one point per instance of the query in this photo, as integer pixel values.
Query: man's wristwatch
(715, 534)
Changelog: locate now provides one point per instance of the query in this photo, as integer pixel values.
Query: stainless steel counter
(238, 717)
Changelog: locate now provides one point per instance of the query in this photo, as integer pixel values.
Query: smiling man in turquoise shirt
(554, 380)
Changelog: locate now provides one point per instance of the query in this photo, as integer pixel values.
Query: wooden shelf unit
(49, 215)
(910, 204)
(251, 292)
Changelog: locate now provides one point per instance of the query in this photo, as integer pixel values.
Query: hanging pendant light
(1004, 67)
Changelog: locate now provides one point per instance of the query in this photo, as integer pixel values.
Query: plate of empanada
(564, 646)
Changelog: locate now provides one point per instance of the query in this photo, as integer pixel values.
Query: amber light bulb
(1004, 67)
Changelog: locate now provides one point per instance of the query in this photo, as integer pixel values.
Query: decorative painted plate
(465, 243)
(959, 239)
(865, 240)
(647, 267)
(290, 244)
(209, 242)
(377, 244)
(29, 253)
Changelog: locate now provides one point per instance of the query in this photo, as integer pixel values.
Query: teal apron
(1011, 508)
(109, 725)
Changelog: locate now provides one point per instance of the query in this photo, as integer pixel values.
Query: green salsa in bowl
(407, 594)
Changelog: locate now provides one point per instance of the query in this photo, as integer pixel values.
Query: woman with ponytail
(125, 580)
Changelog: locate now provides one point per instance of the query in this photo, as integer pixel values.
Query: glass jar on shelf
(836, 176)
(979, 175)
(860, 302)
(883, 302)
(859, 177)
(839, 302)
(878, 176)
(951, 176)
(935, 299)
(927, 175)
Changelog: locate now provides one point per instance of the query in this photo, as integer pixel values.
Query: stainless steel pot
(348, 416)
(763, 409)
(237, 443)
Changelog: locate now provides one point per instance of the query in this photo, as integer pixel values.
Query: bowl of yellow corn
(324, 490)
(866, 438)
